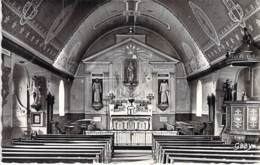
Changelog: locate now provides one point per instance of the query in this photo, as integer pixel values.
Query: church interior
(128, 81)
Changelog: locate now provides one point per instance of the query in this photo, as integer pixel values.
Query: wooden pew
(168, 154)
(183, 140)
(109, 137)
(201, 149)
(162, 147)
(213, 156)
(33, 154)
(100, 144)
(95, 148)
(66, 150)
(211, 160)
(171, 144)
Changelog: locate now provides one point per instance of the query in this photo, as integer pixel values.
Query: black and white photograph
(130, 82)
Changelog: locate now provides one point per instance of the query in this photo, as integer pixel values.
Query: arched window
(61, 98)
(199, 99)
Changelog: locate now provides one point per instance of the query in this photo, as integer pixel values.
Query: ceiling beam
(13, 47)
(211, 69)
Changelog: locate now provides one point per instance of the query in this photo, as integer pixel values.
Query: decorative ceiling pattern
(59, 22)
(205, 23)
(149, 14)
(235, 12)
(18, 22)
(60, 31)
(232, 33)
(42, 25)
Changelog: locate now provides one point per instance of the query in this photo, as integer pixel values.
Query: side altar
(129, 89)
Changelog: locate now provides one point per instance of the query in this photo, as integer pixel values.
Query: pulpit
(242, 122)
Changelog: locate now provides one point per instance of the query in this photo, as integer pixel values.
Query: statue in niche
(97, 94)
(36, 95)
(130, 70)
(163, 94)
(38, 91)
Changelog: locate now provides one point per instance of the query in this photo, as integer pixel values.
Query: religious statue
(248, 45)
(97, 94)
(97, 91)
(130, 72)
(38, 91)
(234, 92)
(244, 96)
(164, 92)
(227, 90)
(36, 95)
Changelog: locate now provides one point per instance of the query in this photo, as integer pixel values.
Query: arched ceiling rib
(151, 15)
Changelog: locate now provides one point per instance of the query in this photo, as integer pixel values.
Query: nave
(101, 149)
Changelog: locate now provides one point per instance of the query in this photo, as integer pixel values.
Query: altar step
(131, 156)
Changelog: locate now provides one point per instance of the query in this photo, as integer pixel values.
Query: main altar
(129, 89)
(129, 86)
(131, 114)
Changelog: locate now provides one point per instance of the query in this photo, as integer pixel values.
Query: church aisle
(132, 156)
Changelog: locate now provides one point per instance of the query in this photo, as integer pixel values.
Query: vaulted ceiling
(60, 31)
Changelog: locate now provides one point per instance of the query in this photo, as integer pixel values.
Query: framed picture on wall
(37, 119)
